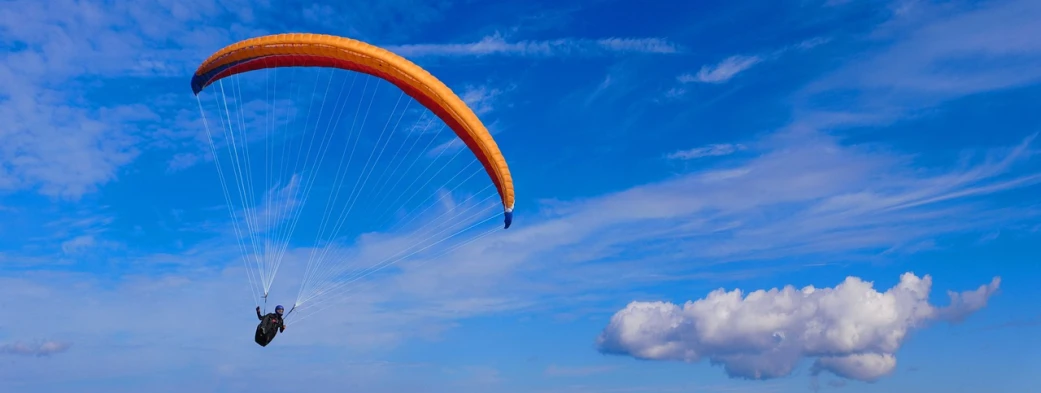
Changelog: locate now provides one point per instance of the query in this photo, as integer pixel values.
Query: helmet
(279, 308)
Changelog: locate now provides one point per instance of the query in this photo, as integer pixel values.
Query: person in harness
(270, 325)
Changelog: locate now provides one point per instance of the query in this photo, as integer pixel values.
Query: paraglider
(270, 325)
(318, 50)
(298, 50)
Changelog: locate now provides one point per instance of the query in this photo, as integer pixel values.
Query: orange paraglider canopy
(316, 50)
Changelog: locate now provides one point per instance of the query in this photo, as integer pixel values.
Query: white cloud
(498, 45)
(826, 197)
(61, 150)
(646, 45)
(77, 244)
(714, 150)
(38, 348)
(481, 99)
(812, 43)
(723, 71)
(851, 330)
(53, 140)
(938, 54)
(730, 67)
(182, 160)
(675, 92)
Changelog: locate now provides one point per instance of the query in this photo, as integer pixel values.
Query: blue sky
(670, 160)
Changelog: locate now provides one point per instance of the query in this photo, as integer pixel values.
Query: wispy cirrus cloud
(801, 195)
(481, 99)
(723, 71)
(732, 66)
(713, 150)
(498, 45)
(54, 141)
(936, 54)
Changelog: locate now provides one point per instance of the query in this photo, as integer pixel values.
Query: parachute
(273, 191)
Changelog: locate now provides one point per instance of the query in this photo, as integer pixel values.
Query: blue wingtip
(509, 219)
(196, 84)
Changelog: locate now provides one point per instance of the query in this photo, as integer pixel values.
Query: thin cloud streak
(498, 45)
(714, 150)
(721, 72)
(730, 67)
(929, 64)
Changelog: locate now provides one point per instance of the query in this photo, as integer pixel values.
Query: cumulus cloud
(851, 330)
(40, 348)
